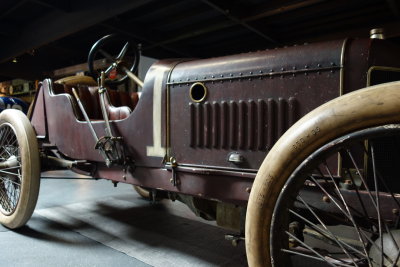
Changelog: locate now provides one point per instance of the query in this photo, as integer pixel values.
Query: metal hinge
(171, 164)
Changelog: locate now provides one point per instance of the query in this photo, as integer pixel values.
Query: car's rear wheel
(19, 169)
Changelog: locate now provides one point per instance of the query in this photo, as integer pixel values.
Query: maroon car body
(215, 118)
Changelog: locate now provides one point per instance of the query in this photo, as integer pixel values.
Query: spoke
(10, 173)
(348, 210)
(366, 229)
(310, 256)
(377, 205)
(11, 168)
(333, 193)
(15, 149)
(387, 188)
(16, 156)
(5, 136)
(310, 248)
(1, 134)
(366, 216)
(378, 210)
(9, 154)
(11, 145)
(361, 177)
(370, 241)
(395, 200)
(330, 197)
(380, 220)
(11, 190)
(396, 259)
(8, 180)
(15, 192)
(349, 217)
(123, 51)
(377, 175)
(329, 235)
(4, 133)
(347, 214)
(384, 183)
(5, 201)
(337, 194)
(301, 254)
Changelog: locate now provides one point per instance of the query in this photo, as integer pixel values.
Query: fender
(360, 109)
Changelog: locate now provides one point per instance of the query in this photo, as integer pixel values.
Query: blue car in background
(7, 102)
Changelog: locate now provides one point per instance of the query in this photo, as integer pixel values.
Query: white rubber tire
(30, 168)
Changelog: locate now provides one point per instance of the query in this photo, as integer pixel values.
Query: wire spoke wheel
(19, 169)
(340, 207)
(10, 178)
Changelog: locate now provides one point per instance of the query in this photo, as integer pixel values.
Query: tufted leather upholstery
(119, 99)
(118, 104)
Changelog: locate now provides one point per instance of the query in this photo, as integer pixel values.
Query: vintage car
(283, 145)
(7, 102)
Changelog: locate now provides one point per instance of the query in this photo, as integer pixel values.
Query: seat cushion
(118, 113)
(118, 104)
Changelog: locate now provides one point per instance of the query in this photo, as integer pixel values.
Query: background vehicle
(200, 132)
(12, 102)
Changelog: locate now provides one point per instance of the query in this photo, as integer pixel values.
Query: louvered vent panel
(243, 125)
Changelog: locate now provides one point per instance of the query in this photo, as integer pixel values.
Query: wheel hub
(390, 249)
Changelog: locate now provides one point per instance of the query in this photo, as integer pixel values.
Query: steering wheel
(127, 58)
